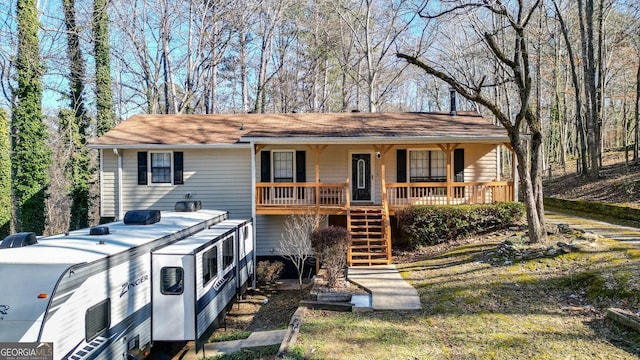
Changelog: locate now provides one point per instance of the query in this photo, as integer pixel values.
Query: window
(209, 265)
(97, 320)
(165, 167)
(362, 174)
(171, 280)
(283, 166)
(160, 168)
(227, 252)
(425, 166)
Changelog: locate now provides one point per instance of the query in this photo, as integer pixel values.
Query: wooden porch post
(448, 150)
(317, 150)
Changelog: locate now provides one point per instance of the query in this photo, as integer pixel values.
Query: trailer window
(172, 280)
(227, 252)
(209, 265)
(97, 319)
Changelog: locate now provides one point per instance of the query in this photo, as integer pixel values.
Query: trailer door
(173, 311)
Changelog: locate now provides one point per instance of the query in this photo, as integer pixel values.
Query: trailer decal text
(130, 285)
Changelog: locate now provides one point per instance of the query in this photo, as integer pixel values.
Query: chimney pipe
(452, 95)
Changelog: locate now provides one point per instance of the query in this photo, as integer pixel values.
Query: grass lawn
(477, 306)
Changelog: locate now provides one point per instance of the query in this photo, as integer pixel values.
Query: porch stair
(369, 243)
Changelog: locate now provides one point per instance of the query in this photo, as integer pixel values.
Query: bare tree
(514, 60)
(295, 243)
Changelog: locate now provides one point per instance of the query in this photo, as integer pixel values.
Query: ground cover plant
(477, 305)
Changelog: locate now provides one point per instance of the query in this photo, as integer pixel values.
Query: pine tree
(5, 176)
(31, 155)
(73, 126)
(105, 116)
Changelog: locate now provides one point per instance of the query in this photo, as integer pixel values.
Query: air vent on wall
(188, 206)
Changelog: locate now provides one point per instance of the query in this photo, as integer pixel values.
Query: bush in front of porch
(431, 225)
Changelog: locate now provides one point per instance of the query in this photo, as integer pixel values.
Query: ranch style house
(356, 168)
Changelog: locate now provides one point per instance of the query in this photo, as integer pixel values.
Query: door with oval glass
(361, 177)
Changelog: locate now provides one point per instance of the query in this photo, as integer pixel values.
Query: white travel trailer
(198, 279)
(89, 292)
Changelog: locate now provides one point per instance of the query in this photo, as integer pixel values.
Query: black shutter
(401, 165)
(265, 166)
(301, 167)
(178, 168)
(301, 171)
(142, 168)
(458, 165)
(401, 172)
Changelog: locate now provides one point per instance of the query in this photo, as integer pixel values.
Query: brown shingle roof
(234, 128)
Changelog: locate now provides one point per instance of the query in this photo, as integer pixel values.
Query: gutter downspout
(119, 212)
(253, 210)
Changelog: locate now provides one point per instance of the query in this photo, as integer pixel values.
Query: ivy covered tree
(73, 128)
(105, 117)
(5, 176)
(31, 156)
(77, 170)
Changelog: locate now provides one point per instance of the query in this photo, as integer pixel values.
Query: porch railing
(302, 194)
(437, 193)
(337, 195)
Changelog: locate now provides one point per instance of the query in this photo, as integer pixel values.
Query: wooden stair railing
(368, 227)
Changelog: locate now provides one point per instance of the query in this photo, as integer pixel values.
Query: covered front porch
(335, 198)
(378, 180)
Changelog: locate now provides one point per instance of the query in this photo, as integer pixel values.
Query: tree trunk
(636, 145)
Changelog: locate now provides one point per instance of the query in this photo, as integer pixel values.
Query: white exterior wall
(220, 178)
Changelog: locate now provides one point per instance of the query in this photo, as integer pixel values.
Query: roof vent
(188, 206)
(141, 217)
(99, 230)
(19, 240)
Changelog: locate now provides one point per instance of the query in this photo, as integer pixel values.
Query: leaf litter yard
(480, 304)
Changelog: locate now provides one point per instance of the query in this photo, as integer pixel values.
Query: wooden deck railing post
(347, 202)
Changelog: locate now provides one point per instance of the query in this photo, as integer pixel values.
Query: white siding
(220, 178)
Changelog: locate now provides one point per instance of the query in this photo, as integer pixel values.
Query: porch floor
(388, 289)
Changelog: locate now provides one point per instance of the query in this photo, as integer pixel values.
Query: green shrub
(269, 272)
(431, 225)
(331, 243)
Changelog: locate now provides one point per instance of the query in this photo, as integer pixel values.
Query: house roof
(233, 129)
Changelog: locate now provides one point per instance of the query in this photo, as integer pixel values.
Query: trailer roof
(194, 243)
(79, 247)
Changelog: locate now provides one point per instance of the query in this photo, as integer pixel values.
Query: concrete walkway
(626, 234)
(256, 339)
(388, 289)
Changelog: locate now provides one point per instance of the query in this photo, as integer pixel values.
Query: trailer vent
(141, 217)
(19, 240)
(188, 206)
(99, 230)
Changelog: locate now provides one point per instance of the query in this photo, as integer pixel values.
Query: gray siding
(220, 178)
(108, 183)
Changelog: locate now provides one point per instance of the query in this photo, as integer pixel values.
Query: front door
(361, 177)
